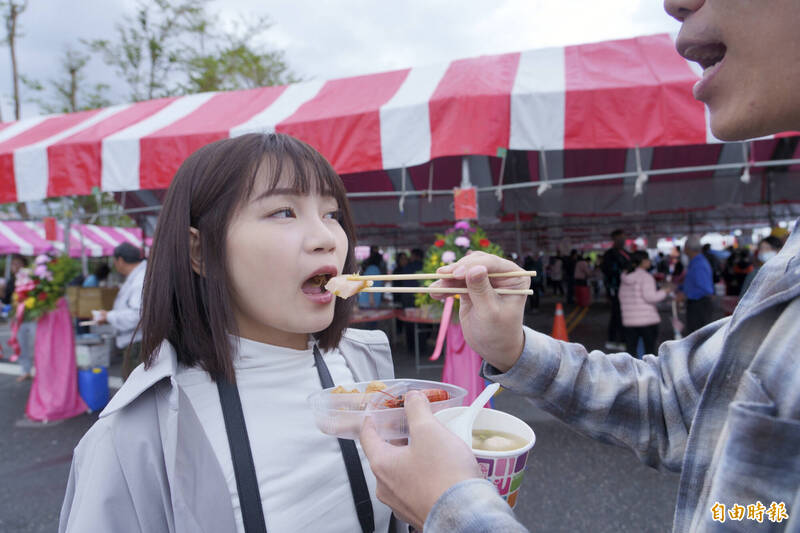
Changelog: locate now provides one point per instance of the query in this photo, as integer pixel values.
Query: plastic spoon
(462, 424)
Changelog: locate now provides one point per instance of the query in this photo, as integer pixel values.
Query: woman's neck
(283, 339)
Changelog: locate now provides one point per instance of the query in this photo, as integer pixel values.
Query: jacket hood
(631, 278)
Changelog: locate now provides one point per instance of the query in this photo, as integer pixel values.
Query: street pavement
(572, 483)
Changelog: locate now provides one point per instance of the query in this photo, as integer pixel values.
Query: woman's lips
(702, 89)
(318, 295)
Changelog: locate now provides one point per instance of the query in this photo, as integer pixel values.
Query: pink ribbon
(446, 312)
(12, 341)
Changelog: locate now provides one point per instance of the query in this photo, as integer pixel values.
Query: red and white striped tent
(577, 132)
(86, 240)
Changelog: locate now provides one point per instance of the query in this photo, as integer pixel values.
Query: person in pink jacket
(638, 295)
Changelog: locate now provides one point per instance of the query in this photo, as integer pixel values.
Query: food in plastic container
(340, 412)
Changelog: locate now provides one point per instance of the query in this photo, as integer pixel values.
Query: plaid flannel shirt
(721, 406)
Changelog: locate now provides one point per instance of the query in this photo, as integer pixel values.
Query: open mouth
(706, 55)
(316, 284)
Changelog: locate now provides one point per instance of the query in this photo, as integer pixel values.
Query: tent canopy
(28, 238)
(619, 110)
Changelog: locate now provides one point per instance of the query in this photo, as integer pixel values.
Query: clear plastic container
(342, 414)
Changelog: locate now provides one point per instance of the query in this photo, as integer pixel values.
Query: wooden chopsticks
(440, 290)
(401, 277)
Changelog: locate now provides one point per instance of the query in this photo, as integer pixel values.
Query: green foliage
(171, 48)
(94, 204)
(40, 288)
(452, 246)
(150, 46)
(235, 61)
(66, 94)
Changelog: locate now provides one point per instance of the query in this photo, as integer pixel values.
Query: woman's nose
(320, 237)
(680, 9)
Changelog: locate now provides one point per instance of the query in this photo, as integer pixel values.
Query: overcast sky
(326, 39)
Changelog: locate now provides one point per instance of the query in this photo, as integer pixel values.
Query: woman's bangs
(290, 164)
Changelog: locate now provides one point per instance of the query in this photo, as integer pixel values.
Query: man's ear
(194, 251)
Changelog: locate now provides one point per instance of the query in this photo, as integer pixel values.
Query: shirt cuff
(471, 505)
(535, 369)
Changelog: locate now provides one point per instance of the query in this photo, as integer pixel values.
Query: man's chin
(736, 126)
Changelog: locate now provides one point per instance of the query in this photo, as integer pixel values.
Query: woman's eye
(334, 215)
(285, 212)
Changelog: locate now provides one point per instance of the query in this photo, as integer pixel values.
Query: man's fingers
(418, 410)
(371, 442)
(479, 286)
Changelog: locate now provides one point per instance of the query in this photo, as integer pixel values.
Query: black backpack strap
(352, 461)
(243, 467)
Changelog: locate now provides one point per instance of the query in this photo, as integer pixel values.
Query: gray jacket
(147, 466)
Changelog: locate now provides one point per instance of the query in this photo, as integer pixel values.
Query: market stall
(86, 240)
(560, 142)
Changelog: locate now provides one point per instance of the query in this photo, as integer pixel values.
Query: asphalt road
(572, 483)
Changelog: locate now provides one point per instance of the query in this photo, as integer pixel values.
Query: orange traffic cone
(559, 325)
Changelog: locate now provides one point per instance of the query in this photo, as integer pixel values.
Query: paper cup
(96, 314)
(504, 469)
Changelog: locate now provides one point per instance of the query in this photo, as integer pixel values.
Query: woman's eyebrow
(276, 192)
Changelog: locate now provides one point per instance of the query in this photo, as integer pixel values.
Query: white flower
(448, 257)
(462, 241)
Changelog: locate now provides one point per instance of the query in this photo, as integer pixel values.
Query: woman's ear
(196, 256)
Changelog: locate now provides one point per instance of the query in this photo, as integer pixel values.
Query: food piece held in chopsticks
(343, 288)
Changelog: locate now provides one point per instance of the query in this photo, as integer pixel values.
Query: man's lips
(705, 53)
(710, 55)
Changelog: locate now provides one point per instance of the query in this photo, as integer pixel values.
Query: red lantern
(50, 232)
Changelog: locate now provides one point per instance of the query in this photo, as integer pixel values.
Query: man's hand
(100, 316)
(492, 323)
(411, 478)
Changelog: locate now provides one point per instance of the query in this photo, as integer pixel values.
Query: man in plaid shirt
(721, 406)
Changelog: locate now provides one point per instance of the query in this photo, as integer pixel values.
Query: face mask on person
(766, 256)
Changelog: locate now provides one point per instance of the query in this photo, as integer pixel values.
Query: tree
(88, 209)
(11, 11)
(68, 93)
(149, 48)
(236, 62)
(176, 47)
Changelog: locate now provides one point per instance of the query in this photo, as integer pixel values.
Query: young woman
(638, 295)
(232, 313)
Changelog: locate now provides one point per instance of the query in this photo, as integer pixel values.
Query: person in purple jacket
(721, 405)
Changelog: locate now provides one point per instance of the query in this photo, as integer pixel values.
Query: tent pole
(770, 214)
(67, 224)
(84, 261)
(8, 266)
(466, 183)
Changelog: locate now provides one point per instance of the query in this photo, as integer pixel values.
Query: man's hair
(617, 233)
(21, 258)
(637, 258)
(128, 253)
(195, 312)
(773, 241)
(693, 243)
